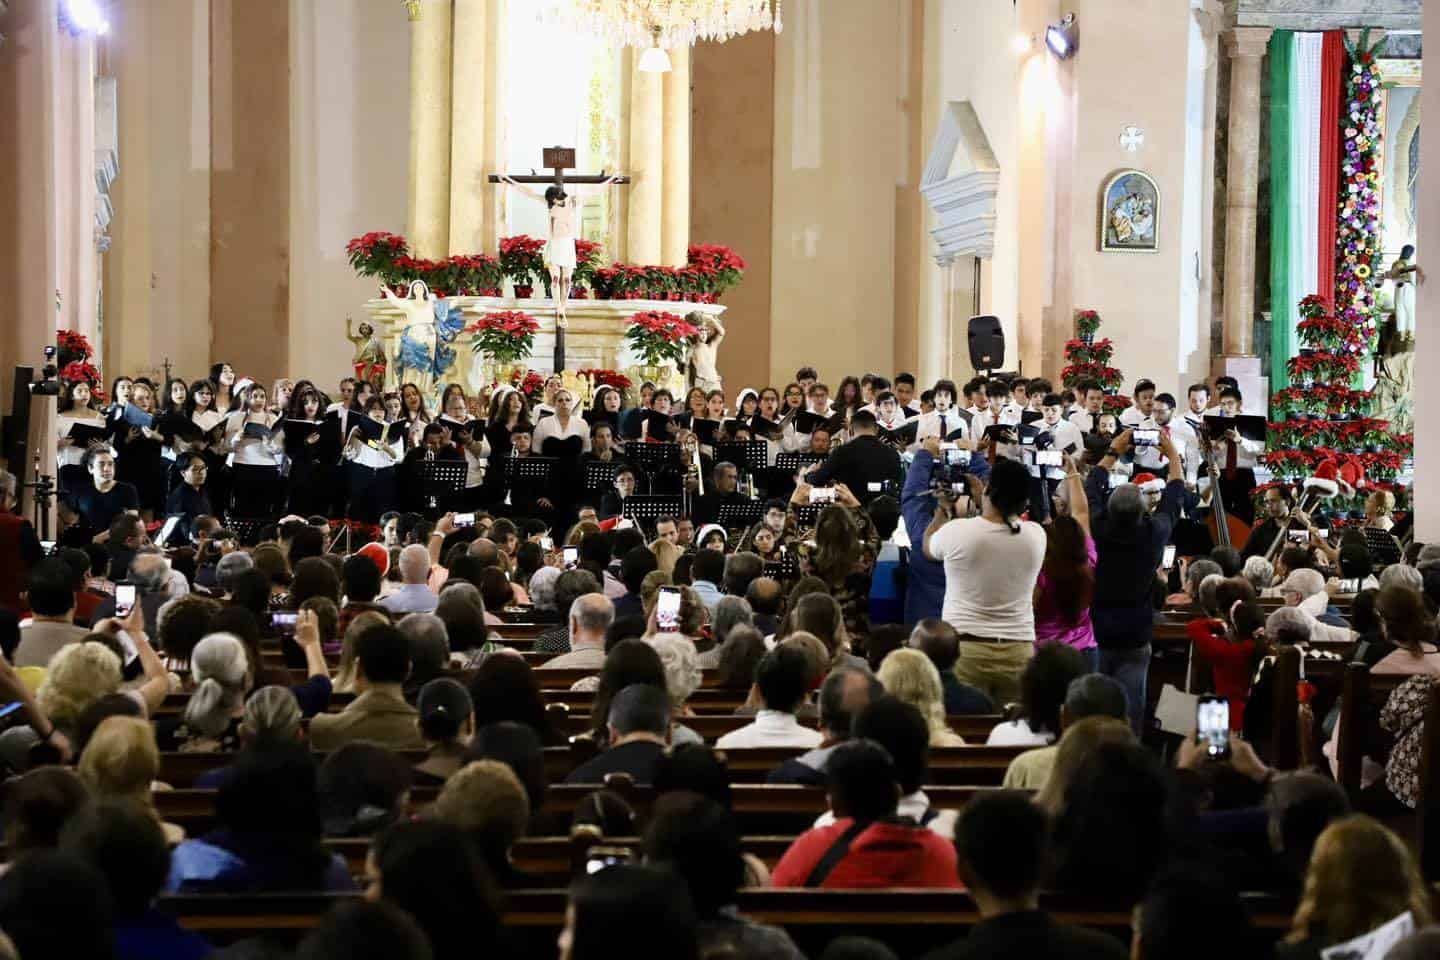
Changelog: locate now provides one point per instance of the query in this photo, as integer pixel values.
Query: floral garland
(659, 337)
(506, 336)
(1358, 221)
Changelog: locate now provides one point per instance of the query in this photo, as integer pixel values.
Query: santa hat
(1326, 479)
(1352, 475)
(708, 529)
(376, 554)
(1148, 482)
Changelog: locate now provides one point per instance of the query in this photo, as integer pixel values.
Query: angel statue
(369, 360)
(431, 325)
(560, 248)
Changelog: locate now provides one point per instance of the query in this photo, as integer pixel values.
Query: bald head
(764, 595)
(415, 563)
(590, 616)
(484, 550)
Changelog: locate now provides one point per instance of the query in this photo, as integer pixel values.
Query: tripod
(44, 489)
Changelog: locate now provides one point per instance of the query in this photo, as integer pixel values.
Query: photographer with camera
(932, 465)
(859, 463)
(991, 564)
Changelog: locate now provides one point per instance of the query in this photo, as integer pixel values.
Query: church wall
(732, 148)
(349, 161)
(1427, 308)
(837, 160)
(157, 273)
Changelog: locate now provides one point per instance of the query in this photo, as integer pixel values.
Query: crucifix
(560, 245)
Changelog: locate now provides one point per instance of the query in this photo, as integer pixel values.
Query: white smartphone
(1212, 726)
(1048, 458)
(572, 557)
(667, 608)
(124, 599)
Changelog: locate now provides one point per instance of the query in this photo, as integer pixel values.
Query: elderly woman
(909, 676)
(683, 676)
(542, 594)
(1261, 574)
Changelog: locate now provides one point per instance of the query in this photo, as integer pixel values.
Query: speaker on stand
(987, 343)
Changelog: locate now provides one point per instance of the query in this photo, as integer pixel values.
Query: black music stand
(748, 455)
(741, 516)
(535, 469)
(792, 463)
(652, 458)
(441, 483)
(786, 568)
(648, 509)
(246, 528)
(600, 474)
(807, 513)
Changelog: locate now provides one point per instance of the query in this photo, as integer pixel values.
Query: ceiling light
(1063, 38)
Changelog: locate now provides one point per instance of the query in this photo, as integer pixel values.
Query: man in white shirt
(905, 394)
(1238, 457)
(1038, 390)
(1184, 436)
(590, 616)
(944, 419)
(781, 681)
(1143, 404)
(1064, 433)
(975, 396)
(817, 398)
(991, 564)
(1091, 400)
(1000, 413)
(415, 596)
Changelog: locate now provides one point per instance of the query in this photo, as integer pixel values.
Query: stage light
(1063, 38)
(1022, 43)
(654, 59)
(85, 16)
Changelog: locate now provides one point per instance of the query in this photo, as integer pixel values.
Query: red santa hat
(1148, 482)
(1352, 475)
(1325, 480)
(378, 555)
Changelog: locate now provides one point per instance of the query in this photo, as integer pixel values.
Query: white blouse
(550, 427)
(247, 451)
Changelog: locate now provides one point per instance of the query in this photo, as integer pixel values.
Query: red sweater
(884, 855)
(1231, 664)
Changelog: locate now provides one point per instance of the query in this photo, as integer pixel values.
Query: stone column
(647, 165)
(469, 190)
(940, 340)
(1246, 46)
(675, 213)
(430, 79)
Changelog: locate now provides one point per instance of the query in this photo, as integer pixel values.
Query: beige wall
(837, 160)
(157, 273)
(732, 140)
(349, 157)
(1427, 338)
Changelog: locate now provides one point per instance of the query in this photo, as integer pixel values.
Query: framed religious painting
(1129, 213)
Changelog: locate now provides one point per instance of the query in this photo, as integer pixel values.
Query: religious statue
(560, 244)
(703, 351)
(369, 360)
(431, 325)
(1395, 373)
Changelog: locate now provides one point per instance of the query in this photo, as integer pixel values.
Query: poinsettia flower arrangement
(1323, 368)
(602, 377)
(506, 336)
(1082, 351)
(375, 253)
(81, 371)
(522, 259)
(528, 382)
(657, 336)
(1115, 403)
(1086, 323)
(719, 266)
(587, 261)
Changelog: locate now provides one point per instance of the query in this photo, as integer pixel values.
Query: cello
(1225, 529)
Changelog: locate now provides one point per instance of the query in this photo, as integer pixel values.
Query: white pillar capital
(1247, 42)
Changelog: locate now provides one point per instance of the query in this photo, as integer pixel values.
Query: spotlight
(1063, 38)
(84, 16)
(654, 59)
(1022, 43)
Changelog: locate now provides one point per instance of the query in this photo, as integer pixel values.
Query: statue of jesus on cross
(560, 244)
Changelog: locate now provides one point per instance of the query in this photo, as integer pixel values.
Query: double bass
(1225, 530)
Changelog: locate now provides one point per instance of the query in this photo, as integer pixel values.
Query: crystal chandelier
(659, 25)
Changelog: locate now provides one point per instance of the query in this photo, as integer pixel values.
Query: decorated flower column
(1357, 232)
(1089, 359)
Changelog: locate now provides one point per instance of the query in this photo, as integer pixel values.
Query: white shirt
(1017, 733)
(1008, 416)
(1065, 435)
(550, 427)
(475, 466)
(368, 456)
(989, 576)
(913, 806)
(937, 424)
(1084, 420)
(771, 728)
(1133, 417)
(1188, 443)
(248, 450)
(73, 454)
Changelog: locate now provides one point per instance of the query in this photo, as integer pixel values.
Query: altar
(594, 339)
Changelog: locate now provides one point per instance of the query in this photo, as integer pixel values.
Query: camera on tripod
(49, 384)
(948, 477)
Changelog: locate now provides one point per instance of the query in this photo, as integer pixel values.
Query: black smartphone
(1212, 726)
(284, 622)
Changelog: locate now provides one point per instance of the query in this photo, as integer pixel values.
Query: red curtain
(1332, 96)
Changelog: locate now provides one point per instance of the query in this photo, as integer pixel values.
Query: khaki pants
(994, 667)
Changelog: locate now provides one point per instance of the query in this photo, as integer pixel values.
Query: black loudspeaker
(987, 343)
(16, 432)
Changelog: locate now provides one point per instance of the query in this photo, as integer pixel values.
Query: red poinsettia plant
(375, 253)
(717, 267)
(528, 382)
(81, 371)
(601, 377)
(587, 261)
(659, 337)
(522, 259)
(1087, 322)
(506, 336)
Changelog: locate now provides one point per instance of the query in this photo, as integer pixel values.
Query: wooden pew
(1364, 695)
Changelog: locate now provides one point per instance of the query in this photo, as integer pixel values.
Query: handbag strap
(832, 857)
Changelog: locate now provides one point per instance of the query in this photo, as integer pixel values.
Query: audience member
(938, 640)
(780, 680)
(639, 725)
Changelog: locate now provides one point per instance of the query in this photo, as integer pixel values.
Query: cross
(559, 159)
(1131, 137)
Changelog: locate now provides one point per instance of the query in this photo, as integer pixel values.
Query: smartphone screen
(547, 544)
(822, 494)
(464, 519)
(1212, 726)
(955, 455)
(10, 708)
(1324, 533)
(124, 599)
(1146, 438)
(667, 608)
(1297, 536)
(1047, 458)
(284, 622)
(1169, 560)
(571, 555)
(167, 530)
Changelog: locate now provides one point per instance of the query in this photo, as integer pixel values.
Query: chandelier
(659, 25)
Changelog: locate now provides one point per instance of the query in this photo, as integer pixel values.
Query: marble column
(430, 84)
(469, 189)
(1246, 47)
(647, 166)
(941, 340)
(675, 204)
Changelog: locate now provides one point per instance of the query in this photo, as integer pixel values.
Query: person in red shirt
(868, 846)
(1229, 644)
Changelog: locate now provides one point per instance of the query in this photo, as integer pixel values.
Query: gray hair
(272, 713)
(640, 708)
(1400, 575)
(1288, 625)
(219, 668)
(1127, 504)
(427, 638)
(730, 613)
(1095, 695)
(415, 563)
(1206, 597)
(1260, 572)
(462, 608)
(683, 675)
(229, 568)
(150, 572)
(592, 612)
(1305, 582)
(1196, 573)
(8, 484)
(542, 588)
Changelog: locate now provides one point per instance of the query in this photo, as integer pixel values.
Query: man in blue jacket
(925, 588)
